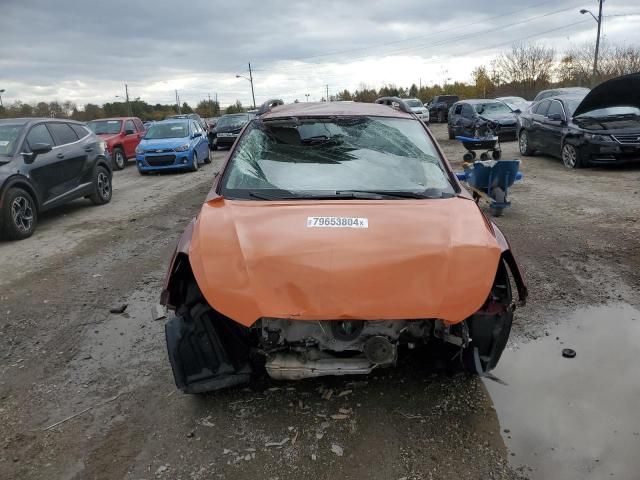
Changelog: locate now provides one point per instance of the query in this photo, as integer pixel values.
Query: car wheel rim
(119, 160)
(22, 213)
(523, 143)
(104, 186)
(569, 156)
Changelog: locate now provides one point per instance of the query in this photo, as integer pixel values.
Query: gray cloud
(85, 51)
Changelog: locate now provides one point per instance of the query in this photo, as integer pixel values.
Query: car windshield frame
(8, 149)
(94, 123)
(184, 124)
(356, 147)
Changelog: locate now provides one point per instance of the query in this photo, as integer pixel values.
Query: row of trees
(523, 71)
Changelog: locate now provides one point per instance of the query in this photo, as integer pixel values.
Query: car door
(455, 119)
(467, 120)
(131, 138)
(43, 167)
(201, 142)
(550, 132)
(74, 164)
(538, 115)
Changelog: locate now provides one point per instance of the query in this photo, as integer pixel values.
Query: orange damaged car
(335, 235)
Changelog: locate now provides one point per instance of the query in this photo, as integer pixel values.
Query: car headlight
(139, 150)
(103, 145)
(182, 148)
(597, 137)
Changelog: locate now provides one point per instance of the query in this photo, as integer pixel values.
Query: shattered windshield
(320, 157)
(491, 109)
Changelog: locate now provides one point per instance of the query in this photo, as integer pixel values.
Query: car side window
(467, 111)
(542, 107)
(128, 125)
(195, 128)
(62, 133)
(458, 110)
(555, 108)
(80, 130)
(38, 134)
(138, 123)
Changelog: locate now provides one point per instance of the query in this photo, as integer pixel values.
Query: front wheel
(19, 215)
(194, 166)
(440, 116)
(207, 159)
(524, 145)
(571, 156)
(119, 159)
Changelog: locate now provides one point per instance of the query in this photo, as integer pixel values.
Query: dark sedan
(477, 118)
(44, 163)
(602, 127)
(227, 129)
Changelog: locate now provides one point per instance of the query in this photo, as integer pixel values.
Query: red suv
(122, 135)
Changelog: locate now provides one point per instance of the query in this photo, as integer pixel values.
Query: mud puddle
(574, 418)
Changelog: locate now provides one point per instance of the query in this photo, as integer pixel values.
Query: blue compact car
(172, 145)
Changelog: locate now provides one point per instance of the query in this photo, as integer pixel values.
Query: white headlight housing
(139, 150)
(597, 137)
(182, 148)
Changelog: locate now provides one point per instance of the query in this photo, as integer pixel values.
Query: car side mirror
(129, 132)
(517, 110)
(40, 148)
(196, 135)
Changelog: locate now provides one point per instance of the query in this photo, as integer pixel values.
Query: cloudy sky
(86, 50)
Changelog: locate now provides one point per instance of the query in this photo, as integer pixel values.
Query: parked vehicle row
(45, 163)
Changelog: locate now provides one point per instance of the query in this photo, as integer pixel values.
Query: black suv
(439, 107)
(45, 162)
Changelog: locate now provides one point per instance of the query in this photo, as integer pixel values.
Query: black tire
(208, 159)
(441, 118)
(195, 166)
(119, 159)
(468, 156)
(103, 189)
(523, 144)
(19, 215)
(496, 211)
(571, 156)
(452, 136)
(496, 154)
(484, 156)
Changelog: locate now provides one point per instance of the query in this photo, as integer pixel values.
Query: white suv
(418, 108)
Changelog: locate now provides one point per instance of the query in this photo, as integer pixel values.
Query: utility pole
(253, 95)
(126, 95)
(1, 92)
(178, 102)
(217, 104)
(210, 106)
(307, 95)
(327, 92)
(595, 59)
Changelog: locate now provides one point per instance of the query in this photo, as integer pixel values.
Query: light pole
(598, 20)
(1, 92)
(250, 80)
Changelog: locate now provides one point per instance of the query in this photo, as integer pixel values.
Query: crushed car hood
(622, 91)
(416, 259)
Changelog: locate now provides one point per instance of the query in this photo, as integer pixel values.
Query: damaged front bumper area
(209, 351)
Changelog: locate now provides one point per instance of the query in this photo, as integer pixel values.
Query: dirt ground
(64, 356)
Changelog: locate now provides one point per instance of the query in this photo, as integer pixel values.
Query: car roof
(565, 96)
(480, 100)
(24, 120)
(175, 120)
(327, 109)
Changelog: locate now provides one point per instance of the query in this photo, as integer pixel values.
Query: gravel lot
(63, 354)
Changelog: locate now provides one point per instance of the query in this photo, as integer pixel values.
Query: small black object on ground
(568, 353)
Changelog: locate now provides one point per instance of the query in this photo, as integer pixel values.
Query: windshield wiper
(349, 194)
(398, 194)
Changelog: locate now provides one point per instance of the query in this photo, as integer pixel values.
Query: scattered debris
(190, 434)
(71, 417)
(344, 393)
(158, 312)
(327, 394)
(226, 451)
(277, 444)
(205, 422)
(119, 308)
(96, 275)
(337, 449)
(568, 353)
(162, 469)
(339, 416)
(314, 457)
(295, 437)
(345, 411)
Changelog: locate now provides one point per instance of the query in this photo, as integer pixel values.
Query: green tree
(235, 108)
